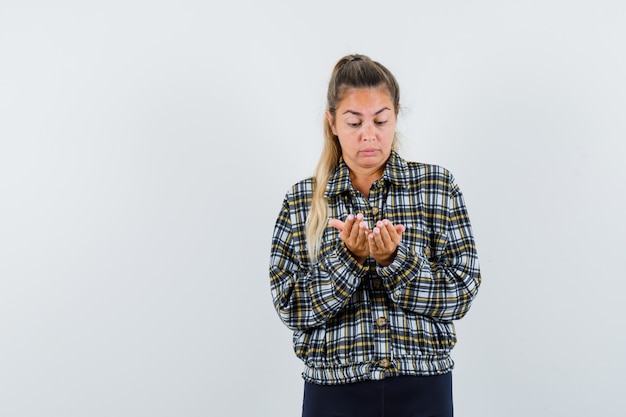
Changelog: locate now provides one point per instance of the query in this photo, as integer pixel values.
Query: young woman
(371, 261)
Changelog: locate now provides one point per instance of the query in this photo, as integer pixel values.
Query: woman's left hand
(383, 241)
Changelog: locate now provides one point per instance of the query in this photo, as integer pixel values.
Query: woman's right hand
(353, 232)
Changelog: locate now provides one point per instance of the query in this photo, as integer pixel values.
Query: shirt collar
(395, 173)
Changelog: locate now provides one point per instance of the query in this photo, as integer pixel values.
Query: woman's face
(365, 123)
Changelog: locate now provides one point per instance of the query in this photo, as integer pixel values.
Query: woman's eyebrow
(356, 113)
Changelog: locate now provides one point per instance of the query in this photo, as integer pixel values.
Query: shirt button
(377, 284)
(427, 252)
(375, 211)
(385, 363)
(381, 322)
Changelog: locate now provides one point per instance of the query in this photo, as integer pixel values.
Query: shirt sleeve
(442, 287)
(306, 295)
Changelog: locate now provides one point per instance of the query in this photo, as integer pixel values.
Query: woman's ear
(331, 122)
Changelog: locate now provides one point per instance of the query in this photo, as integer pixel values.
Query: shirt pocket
(426, 241)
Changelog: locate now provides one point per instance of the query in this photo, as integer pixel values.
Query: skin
(365, 124)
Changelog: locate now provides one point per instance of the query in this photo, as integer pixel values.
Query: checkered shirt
(355, 322)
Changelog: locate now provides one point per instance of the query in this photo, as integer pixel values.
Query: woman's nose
(368, 132)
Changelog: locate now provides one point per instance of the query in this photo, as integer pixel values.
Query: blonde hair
(351, 71)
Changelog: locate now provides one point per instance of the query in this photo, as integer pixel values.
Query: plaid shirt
(354, 321)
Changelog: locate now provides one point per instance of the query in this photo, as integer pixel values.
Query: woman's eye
(354, 124)
(381, 122)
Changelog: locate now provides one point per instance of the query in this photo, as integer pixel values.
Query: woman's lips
(369, 152)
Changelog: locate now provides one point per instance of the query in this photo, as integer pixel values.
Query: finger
(347, 228)
(362, 234)
(357, 224)
(349, 221)
(386, 224)
(374, 242)
(353, 226)
(382, 238)
(337, 224)
(395, 231)
(355, 235)
(360, 219)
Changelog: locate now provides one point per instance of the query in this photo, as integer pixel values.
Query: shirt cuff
(341, 263)
(405, 261)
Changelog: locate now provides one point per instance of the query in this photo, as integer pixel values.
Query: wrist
(386, 261)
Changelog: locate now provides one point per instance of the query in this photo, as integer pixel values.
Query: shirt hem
(366, 371)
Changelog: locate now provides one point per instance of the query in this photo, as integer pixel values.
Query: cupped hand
(383, 241)
(354, 234)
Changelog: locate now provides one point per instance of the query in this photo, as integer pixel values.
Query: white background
(146, 146)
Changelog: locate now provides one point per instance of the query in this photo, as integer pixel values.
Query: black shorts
(402, 396)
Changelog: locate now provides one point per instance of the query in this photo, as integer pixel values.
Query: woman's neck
(363, 181)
